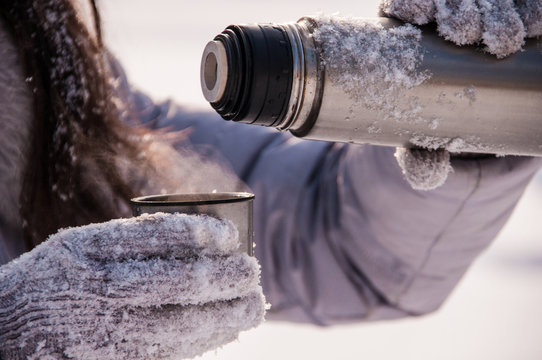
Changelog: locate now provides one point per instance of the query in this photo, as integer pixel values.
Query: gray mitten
(156, 286)
(502, 25)
(424, 169)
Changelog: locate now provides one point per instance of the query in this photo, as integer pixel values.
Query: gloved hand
(424, 169)
(501, 25)
(155, 286)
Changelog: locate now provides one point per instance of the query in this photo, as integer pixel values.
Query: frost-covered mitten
(418, 12)
(156, 286)
(502, 25)
(424, 169)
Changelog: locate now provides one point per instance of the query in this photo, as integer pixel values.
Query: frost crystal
(501, 25)
(416, 11)
(504, 32)
(373, 64)
(159, 286)
(531, 14)
(63, 63)
(459, 21)
(453, 145)
(424, 169)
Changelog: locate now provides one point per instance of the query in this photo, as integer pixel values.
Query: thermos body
(282, 75)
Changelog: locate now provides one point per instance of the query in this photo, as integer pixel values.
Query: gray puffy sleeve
(340, 235)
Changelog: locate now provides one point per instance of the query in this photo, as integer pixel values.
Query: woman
(73, 150)
(70, 159)
(341, 238)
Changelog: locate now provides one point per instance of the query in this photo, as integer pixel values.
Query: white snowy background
(495, 313)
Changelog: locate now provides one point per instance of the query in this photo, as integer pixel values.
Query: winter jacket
(339, 233)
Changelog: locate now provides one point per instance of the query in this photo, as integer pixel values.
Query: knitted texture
(158, 286)
(501, 25)
(424, 169)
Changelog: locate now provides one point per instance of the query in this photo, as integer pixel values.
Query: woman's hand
(154, 286)
(502, 25)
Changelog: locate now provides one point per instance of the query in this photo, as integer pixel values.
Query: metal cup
(234, 206)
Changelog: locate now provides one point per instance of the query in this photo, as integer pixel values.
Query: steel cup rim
(192, 199)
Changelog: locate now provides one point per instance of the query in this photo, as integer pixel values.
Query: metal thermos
(274, 75)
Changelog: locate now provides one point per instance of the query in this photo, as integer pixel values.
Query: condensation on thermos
(376, 81)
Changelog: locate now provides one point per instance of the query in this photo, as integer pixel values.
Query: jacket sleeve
(339, 233)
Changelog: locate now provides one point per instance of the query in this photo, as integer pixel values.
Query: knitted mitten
(424, 169)
(502, 25)
(155, 286)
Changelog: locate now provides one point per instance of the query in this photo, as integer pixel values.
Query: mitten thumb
(424, 169)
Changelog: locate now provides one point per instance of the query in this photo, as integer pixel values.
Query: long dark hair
(71, 178)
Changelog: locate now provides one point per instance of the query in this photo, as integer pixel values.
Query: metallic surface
(214, 71)
(235, 206)
(472, 102)
(306, 90)
(298, 78)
